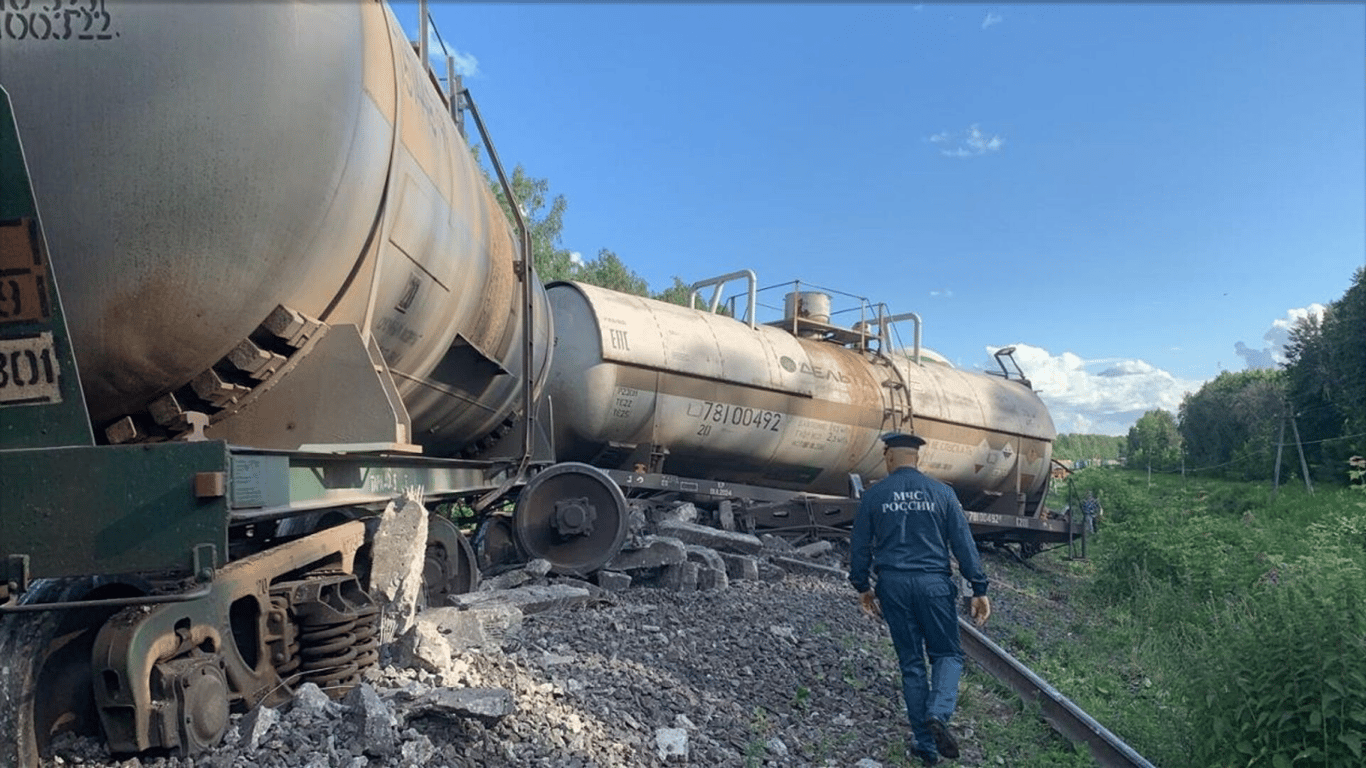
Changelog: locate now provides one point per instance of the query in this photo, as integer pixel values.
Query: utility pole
(1276, 475)
(1304, 465)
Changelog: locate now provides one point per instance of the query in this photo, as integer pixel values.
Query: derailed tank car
(287, 296)
(219, 178)
(680, 400)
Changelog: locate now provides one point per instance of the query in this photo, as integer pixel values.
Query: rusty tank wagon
(287, 296)
(777, 418)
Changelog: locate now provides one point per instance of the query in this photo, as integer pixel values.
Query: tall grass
(1246, 614)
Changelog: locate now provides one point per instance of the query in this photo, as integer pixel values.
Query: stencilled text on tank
(28, 370)
(56, 20)
(396, 335)
(624, 401)
(814, 371)
(711, 415)
(814, 435)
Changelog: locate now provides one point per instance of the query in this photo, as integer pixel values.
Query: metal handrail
(717, 283)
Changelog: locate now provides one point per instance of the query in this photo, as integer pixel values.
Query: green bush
(1282, 673)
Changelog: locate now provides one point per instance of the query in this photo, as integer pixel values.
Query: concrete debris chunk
(256, 724)
(740, 567)
(726, 541)
(656, 551)
(417, 750)
(506, 580)
(376, 728)
(397, 558)
(770, 572)
(485, 704)
(483, 627)
(776, 543)
(815, 549)
(538, 567)
(529, 599)
(683, 512)
(424, 647)
(530, 573)
(680, 578)
(711, 573)
(806, 566)
(613, 581)
(671, 744)
(309, 700)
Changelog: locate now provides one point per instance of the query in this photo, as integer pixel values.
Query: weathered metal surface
(1065, 716)
(746, 405)
(40, 393)
(573, 516)
(336, 394)
(112, 509)
(204, 207)
(234, 625)
(267, 485)
(633, 378)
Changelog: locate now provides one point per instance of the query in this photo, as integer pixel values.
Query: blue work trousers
(920, 611)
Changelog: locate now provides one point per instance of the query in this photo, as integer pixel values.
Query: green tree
(1232, 423)
(1154, 441)
(677, 293)
(545, 221)
(607, 271)
(1086, 447)
(1326, 379)
(544, 217)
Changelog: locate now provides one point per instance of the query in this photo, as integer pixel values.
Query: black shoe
(927, 759)
(943, 740)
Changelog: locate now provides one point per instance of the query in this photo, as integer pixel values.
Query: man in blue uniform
(906, 526)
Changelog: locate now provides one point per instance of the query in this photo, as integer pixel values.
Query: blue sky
(1124, 192)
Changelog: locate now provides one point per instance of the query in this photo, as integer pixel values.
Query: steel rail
(1065, 717)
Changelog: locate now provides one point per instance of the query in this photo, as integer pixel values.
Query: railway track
(1065, 717)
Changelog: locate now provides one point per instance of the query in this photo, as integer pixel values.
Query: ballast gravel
(786, 672)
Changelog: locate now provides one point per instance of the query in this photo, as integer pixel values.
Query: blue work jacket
(909, 522)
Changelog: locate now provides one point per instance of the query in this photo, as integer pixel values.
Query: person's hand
(981, 610)
(868, 601)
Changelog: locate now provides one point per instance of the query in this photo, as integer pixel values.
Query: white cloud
(970, 143)
(992, 19)
(945, 292)
(1104, 396)
(466, 65)
(576, 258)
(1272, 352)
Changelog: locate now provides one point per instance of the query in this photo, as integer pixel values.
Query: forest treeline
(544, 215)
(1077, 447)
(1264, 423)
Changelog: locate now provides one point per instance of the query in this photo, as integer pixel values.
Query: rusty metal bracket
(14, 576)
(205, 562)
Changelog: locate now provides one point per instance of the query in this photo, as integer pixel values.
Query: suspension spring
(338, 636)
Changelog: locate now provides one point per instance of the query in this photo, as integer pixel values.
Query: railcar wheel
(572, 515)
(449, 567)
(45, 677)
(495, 544)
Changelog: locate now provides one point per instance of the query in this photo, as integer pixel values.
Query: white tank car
(759, 405)
(200, 164)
